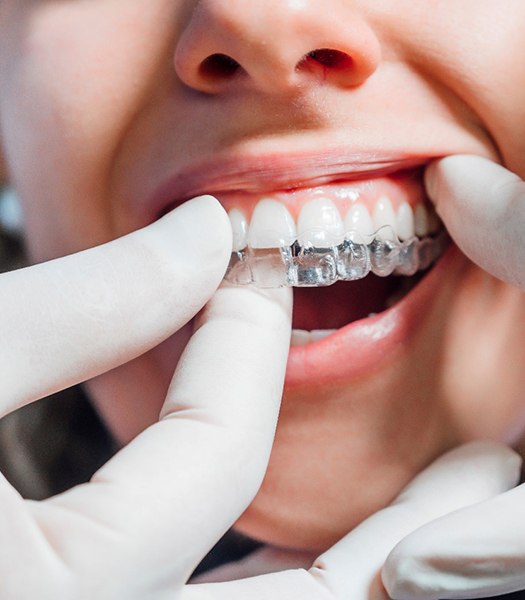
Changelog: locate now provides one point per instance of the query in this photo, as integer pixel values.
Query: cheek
(73, 82)
(470, 52)
(483, 364)
(51, 140)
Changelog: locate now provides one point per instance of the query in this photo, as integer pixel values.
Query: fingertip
(406, 576)
(463, 174)
(197, 234)
(431, 180)
(500, 463)
(397, 575)
(205, 206)
(449, 173)
(469, 190)
(503, 460)
(205, 221)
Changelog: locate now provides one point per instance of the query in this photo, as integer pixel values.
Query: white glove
(147, 518)
(476, 552)
(483, 207)
(479, 551)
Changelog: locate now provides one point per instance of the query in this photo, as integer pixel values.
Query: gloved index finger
(70, 319)
(482, 205)
(169, 495)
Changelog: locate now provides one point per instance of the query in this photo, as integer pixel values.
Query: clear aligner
(306, 265)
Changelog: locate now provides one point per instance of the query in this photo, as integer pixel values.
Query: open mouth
(321, 312)
(290, 207)
(370, 242)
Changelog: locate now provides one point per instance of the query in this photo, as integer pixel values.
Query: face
(113, 111)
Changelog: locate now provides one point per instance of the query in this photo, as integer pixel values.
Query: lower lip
(362, 347)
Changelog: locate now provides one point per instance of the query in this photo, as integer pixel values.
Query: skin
(89, 133)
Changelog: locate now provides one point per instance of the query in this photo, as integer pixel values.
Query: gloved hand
(479, 551)
(483, 207)
(147, 518)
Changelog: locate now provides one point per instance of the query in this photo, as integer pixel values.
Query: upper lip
(275, 172)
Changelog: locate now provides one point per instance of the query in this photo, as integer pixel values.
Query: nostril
(219, 66)
(328, 58)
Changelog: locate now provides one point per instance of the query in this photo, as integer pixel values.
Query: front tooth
(421, 221)
(271, 226)
(239, 229)
(320, 334)
(405, 222)
(358, 220)
(320, 224)
(384, 215)
(300, 337)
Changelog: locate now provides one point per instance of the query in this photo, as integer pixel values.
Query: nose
(275, 45)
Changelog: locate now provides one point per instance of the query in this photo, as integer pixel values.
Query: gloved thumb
(482, 205)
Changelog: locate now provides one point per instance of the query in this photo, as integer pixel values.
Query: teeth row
(310, 266)
(320, 224)
(301, 337)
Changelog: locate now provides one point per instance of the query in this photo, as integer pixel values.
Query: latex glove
(351, 570)
(483, 207)
(146, 519)
(476, 552)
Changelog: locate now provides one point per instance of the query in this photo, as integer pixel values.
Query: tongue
(339, 304)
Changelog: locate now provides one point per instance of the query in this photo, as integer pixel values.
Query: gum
(399, 189)
(299, 265)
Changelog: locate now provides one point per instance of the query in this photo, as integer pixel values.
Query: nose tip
(274, 45)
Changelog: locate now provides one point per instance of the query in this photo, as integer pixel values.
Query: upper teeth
(272, 226)
(320, 223)
(239, 228)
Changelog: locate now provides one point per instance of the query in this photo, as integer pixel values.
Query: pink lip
(360, 348)
(274, 172)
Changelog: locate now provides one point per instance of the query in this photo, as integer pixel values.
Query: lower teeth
(309, 266)
(301, 337)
